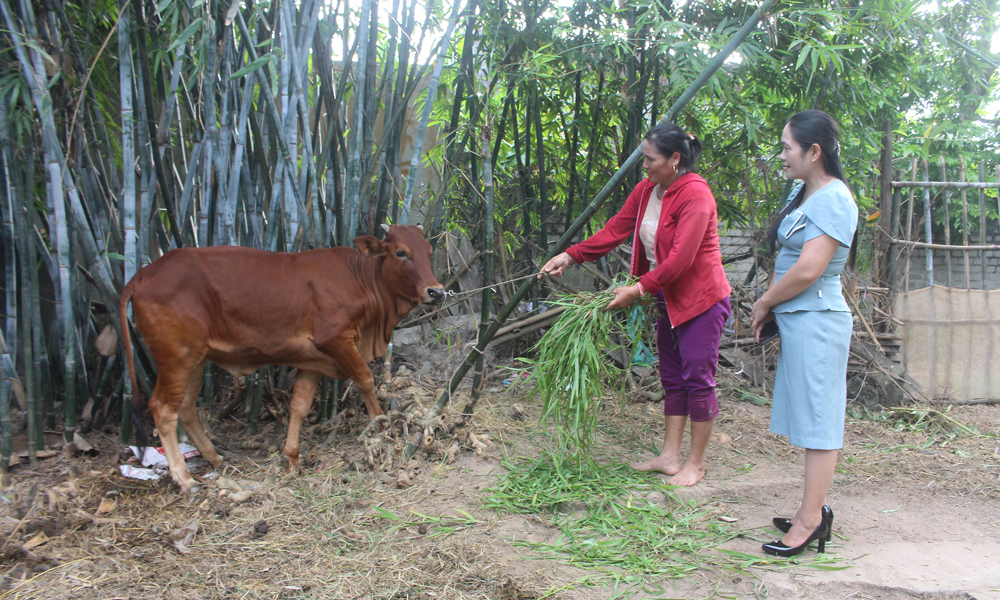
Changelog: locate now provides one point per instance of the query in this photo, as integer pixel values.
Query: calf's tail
(141, 439)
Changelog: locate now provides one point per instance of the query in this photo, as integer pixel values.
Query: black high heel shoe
(783, 525)
(778, 548)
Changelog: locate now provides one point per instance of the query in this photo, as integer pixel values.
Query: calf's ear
(370, 245)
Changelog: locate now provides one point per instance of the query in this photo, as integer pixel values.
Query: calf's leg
(350, 363)
(189, 418)
(168, 396)
(303, 394)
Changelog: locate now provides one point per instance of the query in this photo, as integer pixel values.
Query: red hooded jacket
(689, 263)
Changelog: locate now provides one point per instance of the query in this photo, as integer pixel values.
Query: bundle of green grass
(572, 371)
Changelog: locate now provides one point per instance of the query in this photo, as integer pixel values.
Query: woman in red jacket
(672, 218)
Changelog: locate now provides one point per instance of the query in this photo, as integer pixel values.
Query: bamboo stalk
(543, 176)
(595, 129)
(501, 130)
(384, 174)
(25, 252)
(229, 206)
(258, 396)
(522, 173)
(6, 385)
(421, 134)
(365, 198)
(35, 72)
(11, 199)
(64, 305)
(59, 238)
(145, 82)
(486, 252)
(450, 134)
(208, 119)
(352, 200)
(265, 88)
(293, 215)
(574, 144)
(398, 103)
(128, 196)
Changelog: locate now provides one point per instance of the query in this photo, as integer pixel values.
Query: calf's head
(406, 270)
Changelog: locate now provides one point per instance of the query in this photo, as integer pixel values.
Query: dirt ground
(917, 515)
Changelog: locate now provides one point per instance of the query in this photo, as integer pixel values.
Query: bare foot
(662, 464)
(687, 476)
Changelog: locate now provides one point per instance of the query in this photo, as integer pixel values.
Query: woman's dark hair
(814, 127)
(669, 138)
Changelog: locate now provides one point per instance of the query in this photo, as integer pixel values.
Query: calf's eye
(400, 254)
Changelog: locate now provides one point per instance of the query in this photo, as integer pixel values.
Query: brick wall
(918, 266)
(735, 242)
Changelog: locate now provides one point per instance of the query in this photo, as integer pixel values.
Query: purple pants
(689, 356)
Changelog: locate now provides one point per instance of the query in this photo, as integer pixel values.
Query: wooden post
(909, 226)
(982, 228)
(885, 218)
(965, 225)
(947, 218)
(895, 225)
(928, 229)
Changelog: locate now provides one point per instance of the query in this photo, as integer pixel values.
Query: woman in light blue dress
(816, 234)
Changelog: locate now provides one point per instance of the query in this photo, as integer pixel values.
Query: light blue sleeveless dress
(810, 388)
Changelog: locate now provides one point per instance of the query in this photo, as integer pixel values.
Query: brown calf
(323, 312)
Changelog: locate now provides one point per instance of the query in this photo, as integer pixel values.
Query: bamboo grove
(133, 127)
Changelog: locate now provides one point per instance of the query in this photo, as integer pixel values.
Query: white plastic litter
(155, 458)
(141, 473)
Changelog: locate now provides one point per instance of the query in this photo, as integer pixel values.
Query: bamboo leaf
(803, 55)
(186, 34)
(260, 62)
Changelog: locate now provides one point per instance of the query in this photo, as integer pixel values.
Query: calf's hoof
(292, 461)
(189, 490)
